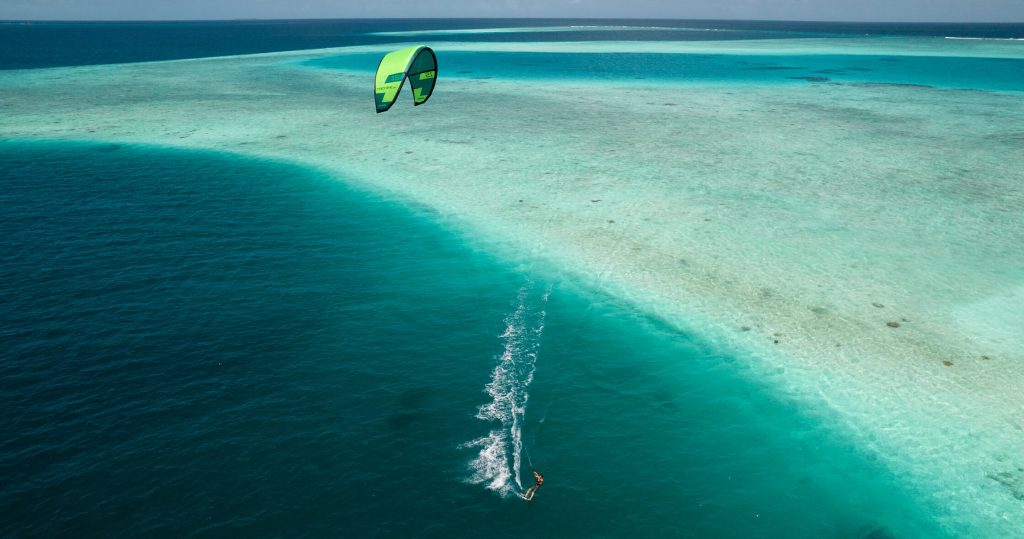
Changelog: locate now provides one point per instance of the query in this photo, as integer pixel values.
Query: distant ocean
(208, 344)
(25, 44)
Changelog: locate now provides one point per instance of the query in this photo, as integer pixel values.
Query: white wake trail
(498, 462)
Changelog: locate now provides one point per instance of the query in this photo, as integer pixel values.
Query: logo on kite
(417, 64)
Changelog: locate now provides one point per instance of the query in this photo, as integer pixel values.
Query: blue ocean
(28, 45)
(200, 343)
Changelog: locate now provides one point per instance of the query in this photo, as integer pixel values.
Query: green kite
(418, 64)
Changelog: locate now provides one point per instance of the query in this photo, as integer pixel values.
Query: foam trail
(499, 459)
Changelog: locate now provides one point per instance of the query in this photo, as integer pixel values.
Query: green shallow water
(204, 343)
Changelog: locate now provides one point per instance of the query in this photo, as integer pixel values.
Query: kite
(418, 64)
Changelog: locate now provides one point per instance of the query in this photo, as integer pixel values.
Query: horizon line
(307, 19)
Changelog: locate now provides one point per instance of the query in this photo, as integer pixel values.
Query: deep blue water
(208, 344)
(49, 44)
(943, 72)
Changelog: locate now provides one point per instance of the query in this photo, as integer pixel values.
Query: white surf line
(930, 47)
(986, 38)
(542, 29)
(498, 464)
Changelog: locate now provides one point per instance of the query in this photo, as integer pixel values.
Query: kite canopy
(418, 64)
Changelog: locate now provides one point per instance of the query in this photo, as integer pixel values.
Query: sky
(834, 10)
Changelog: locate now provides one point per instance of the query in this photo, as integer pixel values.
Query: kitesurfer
(533, 490)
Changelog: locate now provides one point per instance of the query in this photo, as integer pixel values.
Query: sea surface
(218, 344)
(200, 343)
(652, 68)
(34, 44)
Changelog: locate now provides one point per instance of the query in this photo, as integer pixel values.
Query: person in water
(533, 490)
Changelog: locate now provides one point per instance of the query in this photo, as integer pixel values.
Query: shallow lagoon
(811, 214)
(968, 73)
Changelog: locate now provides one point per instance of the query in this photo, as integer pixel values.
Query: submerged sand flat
(795, 223)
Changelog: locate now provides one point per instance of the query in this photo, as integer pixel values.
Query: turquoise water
(1000, 74)
(218, 344)
(203, 343)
